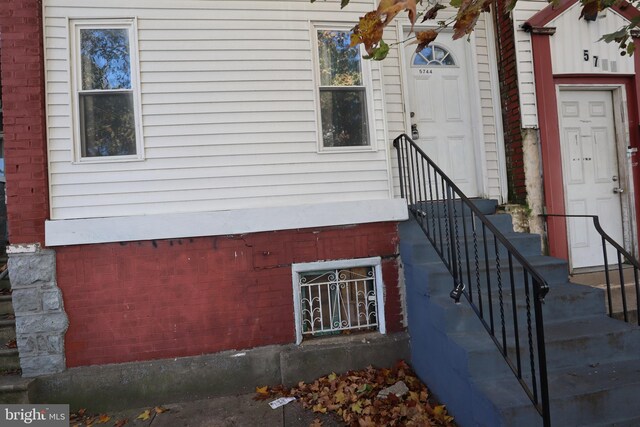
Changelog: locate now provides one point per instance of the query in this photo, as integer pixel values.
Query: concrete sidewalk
(232, 411)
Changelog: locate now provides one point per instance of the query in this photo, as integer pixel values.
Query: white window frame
(367, 82)
(130, 24)
(374, 262)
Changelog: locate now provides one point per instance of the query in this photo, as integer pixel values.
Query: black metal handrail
(623, 257)
(442, 209)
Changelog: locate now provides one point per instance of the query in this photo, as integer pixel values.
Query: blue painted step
(580, 396)
(593, 361)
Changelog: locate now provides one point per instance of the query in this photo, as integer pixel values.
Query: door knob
(618, 190)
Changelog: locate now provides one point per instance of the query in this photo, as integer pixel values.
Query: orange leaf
(368, 31)
(423, 38)
(121, 423)
(160, 409)
(263, 390)
(103, 418)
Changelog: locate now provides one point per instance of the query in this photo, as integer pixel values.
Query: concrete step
(563, 302)
(5, 284)
(413, 229)
(7, 330)
(474, 247)
(15, 389)
(441, 209)
(467, 225)
(579, 396)
(6, 306)
(433, 278)
(589, 341)
(9, 359)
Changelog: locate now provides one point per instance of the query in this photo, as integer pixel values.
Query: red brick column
(23, 100)
(510, 102)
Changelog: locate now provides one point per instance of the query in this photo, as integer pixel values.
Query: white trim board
(198, 224)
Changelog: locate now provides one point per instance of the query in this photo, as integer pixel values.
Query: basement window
(338, 297)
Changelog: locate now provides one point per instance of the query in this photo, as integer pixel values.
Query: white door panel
(590, 169)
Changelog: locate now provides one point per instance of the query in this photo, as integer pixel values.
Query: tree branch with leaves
(370, 27)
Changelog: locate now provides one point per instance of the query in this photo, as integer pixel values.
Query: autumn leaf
(368, 31)
(316, 423)
(423, 38)
(319, 408)
(366, 422)
(262, 390)
(467, 17)
(160, 409)
(332, 376)
(357, 407)
(121, 423)
(390, 8)
(433, 12)
(590, 9)
(145, 415)
(103, 418)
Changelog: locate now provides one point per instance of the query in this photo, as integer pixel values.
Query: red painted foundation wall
(169, 298)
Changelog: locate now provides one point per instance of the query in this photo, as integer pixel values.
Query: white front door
(591, 173)
(440, 108)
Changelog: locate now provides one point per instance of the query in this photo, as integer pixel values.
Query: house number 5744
(585, 56)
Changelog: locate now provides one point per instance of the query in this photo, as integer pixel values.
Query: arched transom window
(433, 56)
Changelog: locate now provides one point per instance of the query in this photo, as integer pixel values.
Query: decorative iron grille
(338, 300)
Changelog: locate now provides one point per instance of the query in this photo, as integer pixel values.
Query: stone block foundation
(41, 322)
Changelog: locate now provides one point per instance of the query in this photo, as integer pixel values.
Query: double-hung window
(342, 91)
(105, 86)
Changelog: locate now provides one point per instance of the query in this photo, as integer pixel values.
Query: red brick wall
(24, 119)
(510, 102)
(170, 298)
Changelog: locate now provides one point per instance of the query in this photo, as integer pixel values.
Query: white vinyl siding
(523, 11)
(228, 112)
(574, 35)
(491, 113)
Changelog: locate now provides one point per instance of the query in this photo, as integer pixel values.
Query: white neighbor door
(590, 169)
(440, 104)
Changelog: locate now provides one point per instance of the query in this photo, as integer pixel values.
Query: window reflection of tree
(342, 94)
(106, 100)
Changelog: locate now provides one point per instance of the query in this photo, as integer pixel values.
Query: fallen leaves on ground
(353, 396)
(82, 418)
(11, 344)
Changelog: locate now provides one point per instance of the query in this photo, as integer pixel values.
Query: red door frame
(548, 123)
